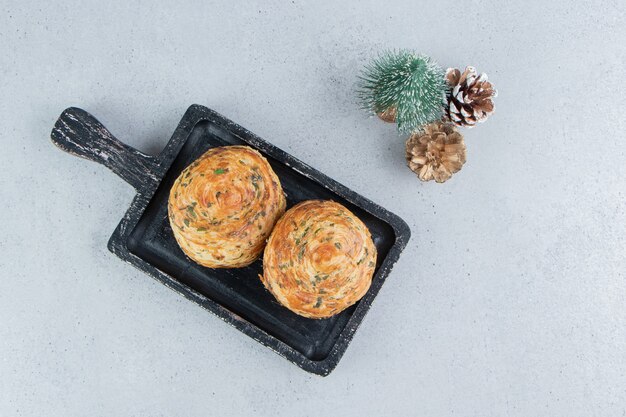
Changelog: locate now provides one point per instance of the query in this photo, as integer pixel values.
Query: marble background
(510, 299)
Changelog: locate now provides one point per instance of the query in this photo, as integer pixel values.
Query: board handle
(79, 133)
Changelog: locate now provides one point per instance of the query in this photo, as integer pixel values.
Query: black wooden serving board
(144, 237)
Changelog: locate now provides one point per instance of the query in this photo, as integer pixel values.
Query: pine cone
(470, 100)
(436, 153)
(389, 115)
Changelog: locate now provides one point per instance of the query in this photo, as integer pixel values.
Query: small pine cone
(389, 115)
(470, 100)
(436, 153)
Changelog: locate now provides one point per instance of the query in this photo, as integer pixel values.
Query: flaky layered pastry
(319, 259)
(224, 205)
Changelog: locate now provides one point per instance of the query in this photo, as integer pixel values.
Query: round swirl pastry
(319, 260)
(224, 205)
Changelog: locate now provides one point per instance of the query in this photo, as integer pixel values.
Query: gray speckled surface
(509, 300)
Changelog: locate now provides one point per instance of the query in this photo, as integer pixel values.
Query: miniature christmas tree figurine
(404, 87)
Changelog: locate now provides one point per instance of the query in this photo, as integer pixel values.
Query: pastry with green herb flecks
(223, 206)
(319, 259)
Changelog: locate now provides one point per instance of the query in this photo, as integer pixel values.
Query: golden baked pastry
(224, 205)
(319, 260)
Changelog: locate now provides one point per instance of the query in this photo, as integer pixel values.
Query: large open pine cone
(470, 100)
(436, 153)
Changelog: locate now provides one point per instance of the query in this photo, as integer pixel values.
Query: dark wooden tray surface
(144, 237)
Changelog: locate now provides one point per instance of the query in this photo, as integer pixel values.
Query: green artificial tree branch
(412, 83)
